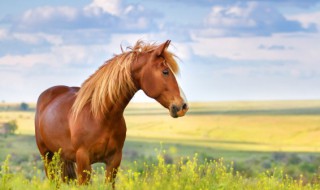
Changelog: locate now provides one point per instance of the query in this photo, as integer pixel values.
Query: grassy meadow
(217, 145)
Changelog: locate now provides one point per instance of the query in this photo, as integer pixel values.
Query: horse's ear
(160, 49)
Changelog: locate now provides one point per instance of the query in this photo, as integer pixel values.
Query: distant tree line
(15, 107)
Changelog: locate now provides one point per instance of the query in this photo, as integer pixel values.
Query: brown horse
(87, 123)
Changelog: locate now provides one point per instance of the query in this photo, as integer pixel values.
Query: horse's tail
(69, 172)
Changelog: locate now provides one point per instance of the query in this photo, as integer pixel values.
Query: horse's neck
(119, 106)
(121, 103)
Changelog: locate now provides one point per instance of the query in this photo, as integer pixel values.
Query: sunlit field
(257, 126)
(264, 145)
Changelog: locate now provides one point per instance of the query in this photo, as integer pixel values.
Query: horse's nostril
(175, 109)
(184, 106)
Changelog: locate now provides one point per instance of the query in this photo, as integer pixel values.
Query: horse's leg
(83, 166)
(68, 171)
(46, 154)
(112, 168)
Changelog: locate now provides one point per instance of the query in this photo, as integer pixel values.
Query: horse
(86, 124)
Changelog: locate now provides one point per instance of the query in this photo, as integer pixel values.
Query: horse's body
(87, 123)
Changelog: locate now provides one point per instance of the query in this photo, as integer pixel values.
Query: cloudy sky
(228, 49)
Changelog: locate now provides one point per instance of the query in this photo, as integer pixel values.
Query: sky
(228, 50)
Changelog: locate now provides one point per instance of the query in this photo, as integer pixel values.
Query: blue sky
(228, 49)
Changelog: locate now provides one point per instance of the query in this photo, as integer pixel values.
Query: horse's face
(158, 81)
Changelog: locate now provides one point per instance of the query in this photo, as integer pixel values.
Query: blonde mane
(113, 79)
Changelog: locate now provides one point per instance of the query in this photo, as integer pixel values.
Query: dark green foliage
(24, 106)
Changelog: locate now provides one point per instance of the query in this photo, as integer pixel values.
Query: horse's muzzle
(178, 111)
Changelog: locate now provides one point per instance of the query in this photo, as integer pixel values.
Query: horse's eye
(165, 72)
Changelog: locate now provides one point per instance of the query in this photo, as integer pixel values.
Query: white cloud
(112, 7)
(298, 55)
(28, 38)
(247, 18)
(233, 16)
(126, 40)
(25, 60)
(109, 16)
(60, 54)
(47, 13)
(36, 38)
(307, 19)
(59, 57)
(249, 48)
(3, 34)
(140, 23)
(80, 54)
(182, 50)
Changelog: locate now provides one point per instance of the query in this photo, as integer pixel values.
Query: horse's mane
(113, 79)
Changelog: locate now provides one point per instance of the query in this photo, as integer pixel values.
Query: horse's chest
(101, 141)
(100, 151)
(105, 149)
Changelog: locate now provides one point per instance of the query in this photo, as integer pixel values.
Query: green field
(255, 136)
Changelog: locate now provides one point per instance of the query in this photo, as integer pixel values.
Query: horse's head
(154, 72)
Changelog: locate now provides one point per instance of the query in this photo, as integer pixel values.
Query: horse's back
(52, 118)
(51, 93)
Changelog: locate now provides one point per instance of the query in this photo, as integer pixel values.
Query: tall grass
(188, 173)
